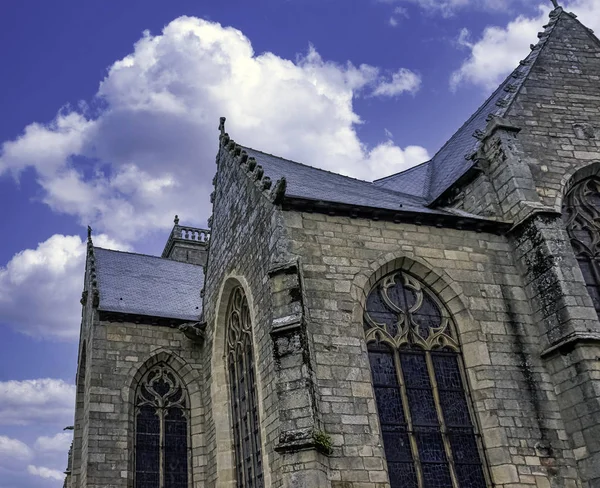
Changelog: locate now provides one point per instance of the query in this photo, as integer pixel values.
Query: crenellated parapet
(187, 244)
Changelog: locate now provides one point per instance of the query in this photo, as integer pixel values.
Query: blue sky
(109, 118)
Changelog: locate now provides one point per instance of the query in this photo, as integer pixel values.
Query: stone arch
(571, 178)
(219, 388)
(192, 382)
(449, 292)
(452, 297)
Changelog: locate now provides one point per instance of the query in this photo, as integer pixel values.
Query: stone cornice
(399, 216)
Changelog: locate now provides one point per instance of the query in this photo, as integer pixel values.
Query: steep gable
(557, 41)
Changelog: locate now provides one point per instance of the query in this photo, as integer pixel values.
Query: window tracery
(429, 437)
(242, 382)
(581, 214)
(161, 431)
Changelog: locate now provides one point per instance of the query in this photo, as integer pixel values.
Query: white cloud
(448, 8)
(36, 401)
(402, 81)
(149, 154)
(40, 288)
(48, 473)
(398, 12)
(13, 450)
(499, 49)
(57, 443)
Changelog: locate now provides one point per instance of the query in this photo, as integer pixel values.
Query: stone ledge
(566, 345)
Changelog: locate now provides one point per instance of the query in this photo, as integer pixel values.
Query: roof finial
(222, 125)
(555, 3)
(89, 233)
(176, 220)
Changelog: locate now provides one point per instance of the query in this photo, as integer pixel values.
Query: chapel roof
(310, 183)
(139, 284)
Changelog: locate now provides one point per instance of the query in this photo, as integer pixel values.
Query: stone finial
(555, 3)
(89, 229)
(222, 125)
(176, 220)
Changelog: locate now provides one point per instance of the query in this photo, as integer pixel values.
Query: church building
(437, 328)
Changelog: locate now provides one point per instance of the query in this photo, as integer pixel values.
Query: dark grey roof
(147, 285)
(414, 181)
(415, 189)
(316, 184)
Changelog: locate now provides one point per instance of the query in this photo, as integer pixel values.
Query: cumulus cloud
(402, 81)
(499, 49)
(47, 473)
(57, 443)
(36, 401)
(13, 450)
(36, 283)
(149, 152)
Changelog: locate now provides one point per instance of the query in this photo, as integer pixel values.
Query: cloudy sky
(109, 118)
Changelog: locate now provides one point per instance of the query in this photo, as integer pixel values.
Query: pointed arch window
(429, 436)
(242, 383)
(581, 214)
(162, 447)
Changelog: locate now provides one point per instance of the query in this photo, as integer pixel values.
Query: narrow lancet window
(581, 213)
(162, 453)
(242, 381)
(429, 437)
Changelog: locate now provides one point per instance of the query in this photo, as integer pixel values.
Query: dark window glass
(428, 434)
(161, 431)
(242, 384)
(581, 214)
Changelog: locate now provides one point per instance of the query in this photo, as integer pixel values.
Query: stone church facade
(436, 328)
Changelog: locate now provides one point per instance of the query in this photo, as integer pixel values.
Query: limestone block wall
(475, 275)
(118, 355)
(247, 242)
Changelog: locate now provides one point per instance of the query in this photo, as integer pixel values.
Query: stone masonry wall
(475, 275)
(117, 353)
(247, 241)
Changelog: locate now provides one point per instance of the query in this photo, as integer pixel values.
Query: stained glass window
(429, 437)
(581, 214)
(242, 381)
(162, 448)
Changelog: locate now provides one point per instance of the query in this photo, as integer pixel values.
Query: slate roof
(414, 181)
(417, 188)
(311, 183)
(139, 284)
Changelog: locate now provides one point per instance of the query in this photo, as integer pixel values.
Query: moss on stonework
(323, 442)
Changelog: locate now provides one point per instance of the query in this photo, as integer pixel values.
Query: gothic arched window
(161, 431)
(429, 437)
(581, 213)
(242, 383)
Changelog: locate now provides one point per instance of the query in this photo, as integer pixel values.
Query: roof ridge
(144, 255)
(402, 172)
(369, 183)
(306, 165)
